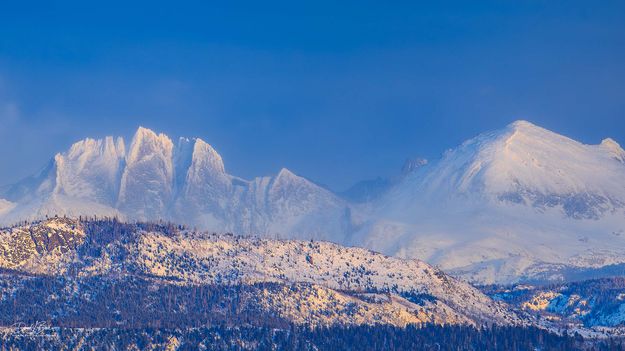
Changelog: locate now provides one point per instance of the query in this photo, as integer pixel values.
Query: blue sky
(335, 91)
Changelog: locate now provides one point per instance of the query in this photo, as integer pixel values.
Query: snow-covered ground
(328, 277)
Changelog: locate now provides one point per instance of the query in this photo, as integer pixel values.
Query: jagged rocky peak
(295, 199)
(90, 170)
(205, 156)
(205, 188)
(286, 174)
(147, 183)
(286, 180)
(206, 179)
(146, 144)
(103, 154)
(88, 147)
(155, 179)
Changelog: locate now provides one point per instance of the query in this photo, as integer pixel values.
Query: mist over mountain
(515, 204)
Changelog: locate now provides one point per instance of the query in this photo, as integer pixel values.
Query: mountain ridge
(155, 179)
(507, 205)
(313, 283)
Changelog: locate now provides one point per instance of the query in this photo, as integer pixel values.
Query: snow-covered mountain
(521, 203)
(187, 182)
(507, 205)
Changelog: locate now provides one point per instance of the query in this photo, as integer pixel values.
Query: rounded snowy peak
(526, 159)
(529, 131)
(522, 124)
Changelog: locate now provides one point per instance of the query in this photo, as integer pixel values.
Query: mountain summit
(187, 182)
(518, 201)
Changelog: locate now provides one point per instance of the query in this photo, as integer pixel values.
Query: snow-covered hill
(507, 205)
(155, 179)
(317, 283)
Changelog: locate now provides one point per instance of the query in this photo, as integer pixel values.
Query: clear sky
(337, 91)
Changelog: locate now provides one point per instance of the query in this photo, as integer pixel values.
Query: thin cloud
(9, 113)
(9, 109)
